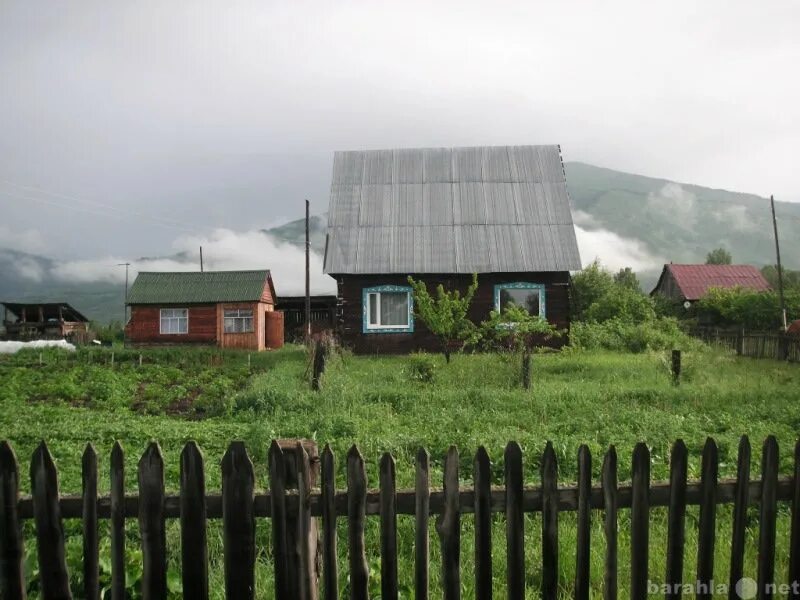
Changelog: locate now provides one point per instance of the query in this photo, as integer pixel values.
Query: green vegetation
(446, 314)
(741, 307)
(719, 256)
(398, 404)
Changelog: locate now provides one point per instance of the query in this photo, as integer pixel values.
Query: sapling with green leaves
(516, 330)
(445, 315)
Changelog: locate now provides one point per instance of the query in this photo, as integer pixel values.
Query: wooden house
(229, 309)
(43, 320)
(439, 215)
(689, 283)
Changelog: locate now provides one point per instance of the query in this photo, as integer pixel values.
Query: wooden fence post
(549, 474)
(12, 554)
(676, 367)
(296, 547)
(482, 481)
(640, 520)
(117, 522)
(449, 528)
(422, 498)
(238, 522)
(194, 548)
(151, 524)
(49, 529)
(91, 547)
(330, 567)
(356, 515)
(610, 498)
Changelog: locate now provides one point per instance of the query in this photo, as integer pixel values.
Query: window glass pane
(372, 299)
(394, 308)
(524, 298)
(183, 325)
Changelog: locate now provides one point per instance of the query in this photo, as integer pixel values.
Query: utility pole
(780, 268)
(308, 274)
(125, 305)
(201, 259)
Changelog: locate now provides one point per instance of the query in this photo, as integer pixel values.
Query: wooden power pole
(778, 257)
(308, 275)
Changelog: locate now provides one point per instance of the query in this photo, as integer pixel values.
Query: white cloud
(223, 250)
(614, 251)
(675, 203)
(28, 268)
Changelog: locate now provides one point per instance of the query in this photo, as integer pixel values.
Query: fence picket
(482, 478)
(306, 571)
(515, 522)
(708, 515)
(422, 499)
(676, 528)
(449, 528)
(356, 515)
(640, 516)
(388, 511)
(151, 524)
(549, 474)
(53, 574)
(194, 548)
(330, 569)
(117, 522)
(91, 547)
(277, 486)
(238, 522)
(794, 544)
(769, 510)
(739, 527)
(583, 545)
(610, 495)
(12, 551)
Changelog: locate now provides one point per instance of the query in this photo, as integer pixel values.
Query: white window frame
(173, 317)
(522, 285)
(238, 317)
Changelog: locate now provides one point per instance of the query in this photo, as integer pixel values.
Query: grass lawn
(381, 404)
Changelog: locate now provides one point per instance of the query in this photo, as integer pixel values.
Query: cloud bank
(223, 250)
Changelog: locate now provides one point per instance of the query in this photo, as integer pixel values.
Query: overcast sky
(124, 125)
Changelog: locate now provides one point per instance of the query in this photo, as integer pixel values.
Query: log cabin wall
(144, 326)
(350, 311)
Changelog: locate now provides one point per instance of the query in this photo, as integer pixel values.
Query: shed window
(239, 320)
(388, 308)
(174, 321)
(529, 296)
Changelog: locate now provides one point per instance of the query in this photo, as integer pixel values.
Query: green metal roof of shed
(198, 288)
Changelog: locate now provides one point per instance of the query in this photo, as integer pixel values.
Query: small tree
(446, 314)
(719, 256)
(588, 286)
(515, 329)
(627, 278)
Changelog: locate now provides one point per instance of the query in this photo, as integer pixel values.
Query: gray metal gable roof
(450, 210)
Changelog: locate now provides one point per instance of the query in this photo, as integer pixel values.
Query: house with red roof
(689, 283)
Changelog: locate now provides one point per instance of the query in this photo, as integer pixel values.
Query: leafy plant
(516, 330)
(446, 314)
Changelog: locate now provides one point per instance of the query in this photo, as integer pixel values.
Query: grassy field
(385, 404)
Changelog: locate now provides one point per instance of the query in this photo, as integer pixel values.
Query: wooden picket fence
(754, 344)
(238, 507)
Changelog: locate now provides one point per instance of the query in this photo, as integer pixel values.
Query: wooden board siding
(668, 288)
(145, 324)
(350, 316)
(256, 340)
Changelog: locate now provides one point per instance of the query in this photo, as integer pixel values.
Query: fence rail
(754, 344)
(293, 503)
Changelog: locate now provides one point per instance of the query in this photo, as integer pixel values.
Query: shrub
(622, 303)
(421, 367)
(615, 334)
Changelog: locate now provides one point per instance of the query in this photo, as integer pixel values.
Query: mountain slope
(681, 222)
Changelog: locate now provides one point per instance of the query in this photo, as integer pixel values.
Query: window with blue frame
(388, 309)
(529, 296)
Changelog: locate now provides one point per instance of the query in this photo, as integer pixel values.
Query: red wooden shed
(229, 309)
(690, 282)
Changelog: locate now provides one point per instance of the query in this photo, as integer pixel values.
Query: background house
(682, 283)
(229, 309)
(43, 320)
(441, 214)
